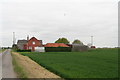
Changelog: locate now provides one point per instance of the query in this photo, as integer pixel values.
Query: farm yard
(96, 63)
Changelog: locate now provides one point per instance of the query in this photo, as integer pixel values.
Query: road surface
(0, 66)
(7, 66)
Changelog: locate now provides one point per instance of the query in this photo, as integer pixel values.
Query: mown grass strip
(18, 69)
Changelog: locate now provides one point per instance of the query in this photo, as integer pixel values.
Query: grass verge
(18, 69)
(2, 50)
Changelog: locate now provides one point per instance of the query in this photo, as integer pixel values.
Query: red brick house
(56, 45)
(29, 44)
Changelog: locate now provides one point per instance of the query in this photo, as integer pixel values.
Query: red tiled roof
(56, 45)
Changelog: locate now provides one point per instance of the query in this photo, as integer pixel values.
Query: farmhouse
(56, 45)
(29, 44)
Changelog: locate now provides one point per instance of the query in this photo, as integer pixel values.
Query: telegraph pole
(13, 38)
(91, 40)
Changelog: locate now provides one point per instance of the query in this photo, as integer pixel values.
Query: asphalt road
(7, 66)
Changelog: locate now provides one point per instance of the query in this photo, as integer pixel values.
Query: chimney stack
(27, 37)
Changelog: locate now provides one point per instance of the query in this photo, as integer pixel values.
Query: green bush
(23, 50)
(57, 49)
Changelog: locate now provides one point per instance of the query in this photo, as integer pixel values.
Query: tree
(77, 42)
(14, 46)
(62, 40)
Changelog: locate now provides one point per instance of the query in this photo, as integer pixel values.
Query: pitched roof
(33, 38)
(25, 41)
(56, 45)
(22, 41)
(36, 39)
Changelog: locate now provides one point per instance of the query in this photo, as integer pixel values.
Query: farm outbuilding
(57, 47)
(92, 47)
(78, 47)
(39, 49)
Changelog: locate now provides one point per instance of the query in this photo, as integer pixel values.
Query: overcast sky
(49, 20)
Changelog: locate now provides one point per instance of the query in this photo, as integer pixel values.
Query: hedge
(58, 49)
(23, 50)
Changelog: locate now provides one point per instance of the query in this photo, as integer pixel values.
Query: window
(33, 42)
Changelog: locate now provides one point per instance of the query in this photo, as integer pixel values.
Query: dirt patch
(32, 69)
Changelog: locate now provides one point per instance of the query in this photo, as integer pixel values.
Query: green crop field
(98, 63)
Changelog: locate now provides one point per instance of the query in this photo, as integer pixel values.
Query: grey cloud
(45, 19)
